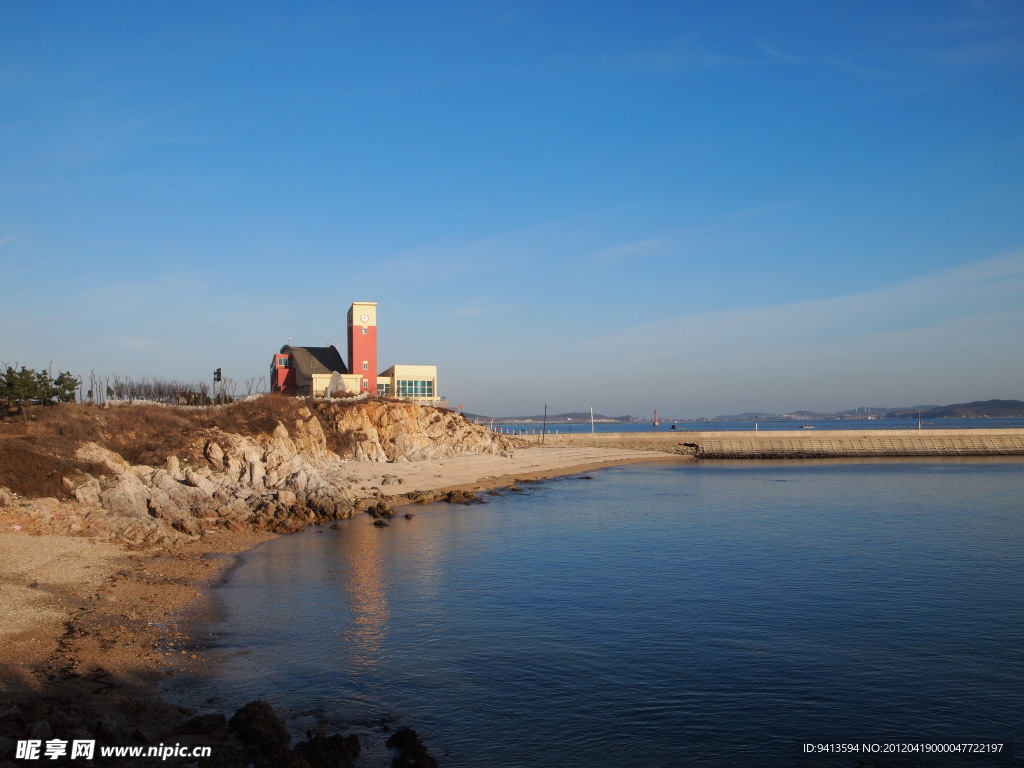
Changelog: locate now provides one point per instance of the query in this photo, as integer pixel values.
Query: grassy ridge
(37, 453)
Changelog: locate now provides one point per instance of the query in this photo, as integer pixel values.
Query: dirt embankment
(153, 476)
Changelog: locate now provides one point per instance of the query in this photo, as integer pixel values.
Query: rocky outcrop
(279, 481)
(385, 431)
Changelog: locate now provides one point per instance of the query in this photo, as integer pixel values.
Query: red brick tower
(362, 343)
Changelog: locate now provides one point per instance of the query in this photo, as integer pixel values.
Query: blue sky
(698, 207)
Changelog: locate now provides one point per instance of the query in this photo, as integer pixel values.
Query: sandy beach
(87, 628)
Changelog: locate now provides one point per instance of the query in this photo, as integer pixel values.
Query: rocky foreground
(280, 478)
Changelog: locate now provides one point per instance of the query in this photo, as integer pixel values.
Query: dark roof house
(310, 360)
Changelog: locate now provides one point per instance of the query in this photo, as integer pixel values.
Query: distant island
(979, 409)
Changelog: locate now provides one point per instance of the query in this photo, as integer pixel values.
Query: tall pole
(544, 428)
(591, 419)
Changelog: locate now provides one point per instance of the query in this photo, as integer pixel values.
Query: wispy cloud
(978, 289)
(775, 53)
(665, 61)
(634, 250)
(982, 53)
(681, 56)
(893, 75)
(961, 327)
(474, 309)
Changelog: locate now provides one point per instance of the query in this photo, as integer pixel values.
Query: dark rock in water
(411, 751)
(409, 515)
(494, 493)
(257, 724)
(462, 497)
(322, 751)
(380, 523)
(585, 477)
(515, 489)
(380, 510)
(336, 527)
(204, 724)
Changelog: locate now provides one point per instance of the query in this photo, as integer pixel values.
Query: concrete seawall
(816, 444)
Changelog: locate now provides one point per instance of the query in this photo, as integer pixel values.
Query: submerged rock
(257, 724)
(322, 751)
(462, 497)
(411, 751)
(381, 510)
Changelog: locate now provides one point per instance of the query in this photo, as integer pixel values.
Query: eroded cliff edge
(146, 475)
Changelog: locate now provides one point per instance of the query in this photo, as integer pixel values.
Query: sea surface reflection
(708, 614)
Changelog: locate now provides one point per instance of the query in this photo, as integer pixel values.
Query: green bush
(23, 386)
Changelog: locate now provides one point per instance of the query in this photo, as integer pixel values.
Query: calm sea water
(556, 427)
(705, 614)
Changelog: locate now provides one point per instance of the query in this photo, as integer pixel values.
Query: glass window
(414, 388)
(366, 366)
(365, 330)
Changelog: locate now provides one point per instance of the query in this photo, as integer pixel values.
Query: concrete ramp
(809, 444)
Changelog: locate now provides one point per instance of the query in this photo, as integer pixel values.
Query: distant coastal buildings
(321, 372)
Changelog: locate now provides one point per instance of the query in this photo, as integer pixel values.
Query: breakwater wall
(799, 444)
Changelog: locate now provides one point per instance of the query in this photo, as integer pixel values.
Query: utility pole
(544, 428)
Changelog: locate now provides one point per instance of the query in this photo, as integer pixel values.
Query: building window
(284, 362)
(366, 384)
(383, 387)
(366, 366)
(365, 330)
(414, 388)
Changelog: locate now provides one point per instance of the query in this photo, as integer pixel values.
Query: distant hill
(563, 417)
(748, 416)
(979, 408)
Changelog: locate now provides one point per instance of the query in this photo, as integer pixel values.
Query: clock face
(365, 318)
